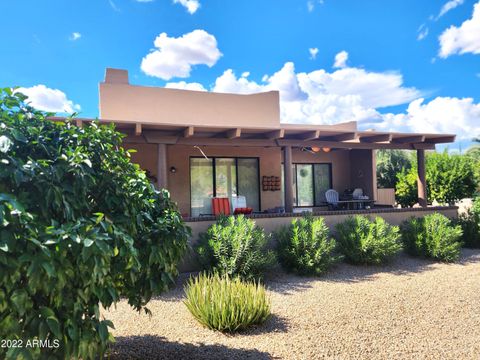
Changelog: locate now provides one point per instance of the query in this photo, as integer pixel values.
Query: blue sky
(401, 65)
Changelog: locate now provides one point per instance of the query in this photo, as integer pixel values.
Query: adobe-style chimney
(116, 76)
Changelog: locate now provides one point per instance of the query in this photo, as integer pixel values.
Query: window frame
(312, 164)
(214, 174)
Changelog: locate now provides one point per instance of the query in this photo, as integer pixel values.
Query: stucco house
(201, 145)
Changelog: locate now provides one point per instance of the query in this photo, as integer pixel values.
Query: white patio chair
(332, 198)
(357, 193)
(238, 202)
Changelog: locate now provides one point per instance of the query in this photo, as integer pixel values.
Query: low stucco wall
(271, 222)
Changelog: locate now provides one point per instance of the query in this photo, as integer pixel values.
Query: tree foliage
(391, 162)
(449, 178)
(80, 227)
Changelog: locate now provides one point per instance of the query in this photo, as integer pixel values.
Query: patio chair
(332, 199)
(357, 193)
(220, 206)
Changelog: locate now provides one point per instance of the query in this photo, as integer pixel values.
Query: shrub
(234, 246)
(304, 247)
(80, 227)
(449, 179)
(226, 304)
(470, 224)
(363, 241)
(432, 236)
(390, 162)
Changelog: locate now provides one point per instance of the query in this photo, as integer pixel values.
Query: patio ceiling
(341, 136)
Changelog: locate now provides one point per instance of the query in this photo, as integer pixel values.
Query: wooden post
(287, 161)
(162, 172)
(422, 184)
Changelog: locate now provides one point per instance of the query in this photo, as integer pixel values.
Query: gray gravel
(410, 309)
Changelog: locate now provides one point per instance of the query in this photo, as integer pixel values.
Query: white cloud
(191, 5)
(449, 115)
(144, 1)
(313, 53)
(462, 39)
(341, 59)
(185, 86)
(51, 100)
(311, 4)
(422, 32)
(449, 5)
(75, 36)
(174, 57)
(113, 5)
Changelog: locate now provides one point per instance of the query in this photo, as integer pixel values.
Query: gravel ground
(410, 309)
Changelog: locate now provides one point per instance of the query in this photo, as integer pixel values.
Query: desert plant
(234, 246)
(226, 304)
(80, 227)
(470, 224)
(433, 236)
(390, 162)
(305, 246)
(364, 241)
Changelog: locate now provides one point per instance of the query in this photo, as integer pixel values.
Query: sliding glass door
(223, 177)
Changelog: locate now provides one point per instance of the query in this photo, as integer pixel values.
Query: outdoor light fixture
(315, 149)
(173, 169)
(326, 149)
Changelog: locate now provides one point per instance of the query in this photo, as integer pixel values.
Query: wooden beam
(138, 129)
(375, 138)
(277, 134)
(341, 137)
(409, 139)
(440, 139)
(355, 145)
(79, 123)
(287, 160)
(233, 133)
(310, 135)
(155, 138)
(188, 132)
(227, 142)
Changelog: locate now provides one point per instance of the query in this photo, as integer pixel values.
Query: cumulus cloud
(185, 86)
(462, 39)
(47, 99)
(313, 53)
(190, 5)
(450, 115)
(341, 59)
(75, 36)
(449, 5)
(174, 57)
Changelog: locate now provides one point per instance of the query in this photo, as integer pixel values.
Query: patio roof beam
(138, 129)
(441, 139)
(409, 139)
(355, 145)
(375, 138)
(233, 133)
(310, 135)
(79, 123)
(276, 134)
(189, 131)
(341, 137)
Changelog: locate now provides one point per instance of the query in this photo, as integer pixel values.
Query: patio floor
(411, 308)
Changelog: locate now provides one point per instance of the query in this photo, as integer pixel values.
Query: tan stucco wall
(146, 156)
(155, 105)
(392, 216)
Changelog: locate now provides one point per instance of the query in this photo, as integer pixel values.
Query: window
(310, 182)
(223, 177)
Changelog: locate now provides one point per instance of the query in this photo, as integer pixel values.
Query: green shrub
(80, 227)
(305, 248)
(234, 246)
(363, 241)
(226, 304)
(470, 224)
(433, 236)
(449, 179)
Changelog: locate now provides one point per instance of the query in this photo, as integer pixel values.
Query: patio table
(356, 204)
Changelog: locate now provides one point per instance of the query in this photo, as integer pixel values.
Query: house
(201, 145)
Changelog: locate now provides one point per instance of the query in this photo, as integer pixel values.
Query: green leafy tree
(80, 227)
(474, 153)
(389, 164)
(449, 178)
